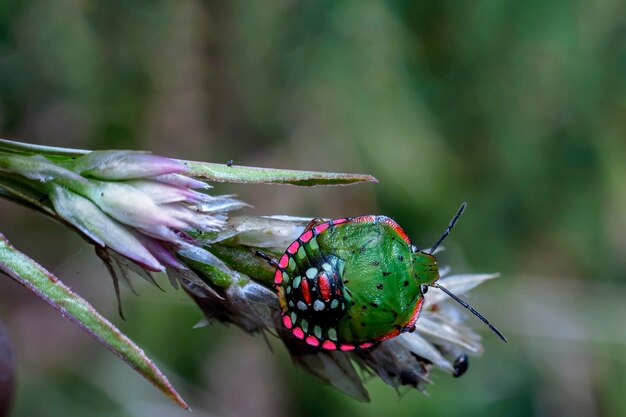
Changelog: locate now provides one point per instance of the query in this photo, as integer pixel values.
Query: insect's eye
(424, 289)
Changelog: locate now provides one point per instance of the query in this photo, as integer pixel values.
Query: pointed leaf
(254, 175)
(217, 172)
(49, 288)
(30, 148)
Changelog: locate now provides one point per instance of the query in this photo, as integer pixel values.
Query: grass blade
(254, 175)
(49, 288)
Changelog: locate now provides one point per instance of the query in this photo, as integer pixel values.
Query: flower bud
(100, 228)
(130, 206)
(124, 165)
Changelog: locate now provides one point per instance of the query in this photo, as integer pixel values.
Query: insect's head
(425, 267)
(427, 271)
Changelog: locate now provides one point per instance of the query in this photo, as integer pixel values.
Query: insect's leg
(314, 222)
(267, 258)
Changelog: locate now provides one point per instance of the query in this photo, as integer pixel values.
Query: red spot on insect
(366, 345)
(278, 276)
(284, 261)
(306, 294)
(396, 227)
(312, 340)
(287, 322)
(321, 227)
(297, 332)
(339, 221)
(329, 345)
(306, 236)
(345, 347)
(293, 248)
(324, 286)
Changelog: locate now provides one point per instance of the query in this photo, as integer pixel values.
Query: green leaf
(29, 148)
(253, 175)
(49, 288)
(216, 172)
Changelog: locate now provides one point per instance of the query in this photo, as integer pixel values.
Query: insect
(349, 283)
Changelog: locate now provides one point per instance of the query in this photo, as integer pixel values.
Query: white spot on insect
(294, 317)
(317, 330)
(290, 303)
(327, 267)
(289, 289)
(301, 305)
(334, 303)
(318, 305)
(332, 334)
(311, 272)
(296, 281)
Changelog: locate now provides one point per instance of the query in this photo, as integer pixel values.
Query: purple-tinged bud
(182, 181)
(130, 206)
(162, 193)
(104, 231)
(194, 219)
(163, 233)
(160, 252)
(125, 165)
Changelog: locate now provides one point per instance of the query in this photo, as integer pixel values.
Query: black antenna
(467, 306)
(450, 226)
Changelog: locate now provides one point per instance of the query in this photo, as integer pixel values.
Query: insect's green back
(349, 283)
(381, 289)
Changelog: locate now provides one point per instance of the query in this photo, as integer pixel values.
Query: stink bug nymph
(350, 283)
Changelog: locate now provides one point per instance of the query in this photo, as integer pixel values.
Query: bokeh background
(518, 108)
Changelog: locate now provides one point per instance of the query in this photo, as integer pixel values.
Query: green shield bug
(349, 283)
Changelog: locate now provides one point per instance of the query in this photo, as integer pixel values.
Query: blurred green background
(518, 108)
